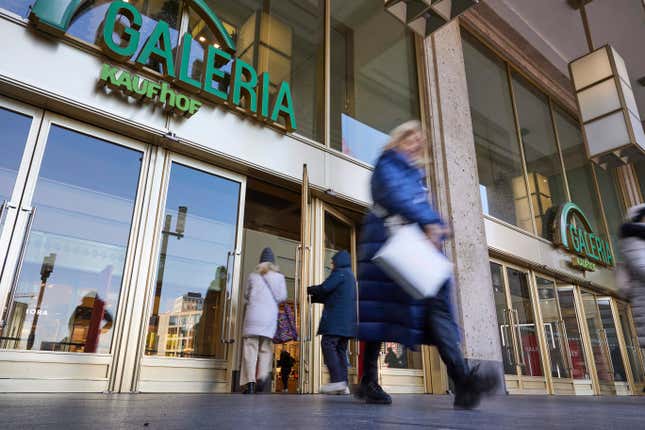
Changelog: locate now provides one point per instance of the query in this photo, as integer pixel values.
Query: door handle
(224, 330)
(230, 338)
(518, 343)
(296, 284)
(605, 340)
(565, 342)
(21, 259)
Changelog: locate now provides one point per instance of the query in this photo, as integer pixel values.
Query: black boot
(468, 393)
(249, 389)
(372, 392)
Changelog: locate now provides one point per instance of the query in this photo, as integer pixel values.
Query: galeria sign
(573, 232)
(246, 90)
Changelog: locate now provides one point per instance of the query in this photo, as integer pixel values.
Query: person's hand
(436, 233)
(310, 290)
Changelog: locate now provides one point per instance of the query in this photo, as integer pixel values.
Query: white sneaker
(334, 388)
(346, 392)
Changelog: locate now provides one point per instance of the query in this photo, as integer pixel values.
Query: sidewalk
(264, 412)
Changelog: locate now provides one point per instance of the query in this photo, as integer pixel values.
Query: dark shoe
(476, 385)
(263, 386)
(249, 389)
(373, 393)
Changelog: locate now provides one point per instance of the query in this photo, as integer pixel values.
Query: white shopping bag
(413, 262)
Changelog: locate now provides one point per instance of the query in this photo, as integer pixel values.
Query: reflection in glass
(369, 47)
(574, 335)
(338, 237)
(611, 338)
(87, 24)
(631, 342)
(553, 328)
(66, 296)
(578, 169)
(501, 178)
(546, 183)
(284, 38)
(597, 337)
(15, 130)
(197, 237)
(524, 323)
(19, 7)
(612, 203)
(501, 308)
(396, 356)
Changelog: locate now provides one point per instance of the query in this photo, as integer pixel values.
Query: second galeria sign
(241, 89)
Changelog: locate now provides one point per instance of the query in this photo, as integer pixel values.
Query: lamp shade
(426, 16)
(611, 124)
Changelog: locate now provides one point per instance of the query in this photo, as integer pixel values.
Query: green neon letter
(264, 90)
(130, 34)
(242, 69)
(284, 107)
(158, 44)
(214, 58)
(184, 76)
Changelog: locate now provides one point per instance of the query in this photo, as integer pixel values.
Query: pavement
(311, 412)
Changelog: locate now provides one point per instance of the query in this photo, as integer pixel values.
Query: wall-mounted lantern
(610, 120)
(426, 16)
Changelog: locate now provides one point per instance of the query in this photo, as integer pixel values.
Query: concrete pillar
(456, 186)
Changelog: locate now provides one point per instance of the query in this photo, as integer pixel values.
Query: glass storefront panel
(66, 296)
(612, 203)
(19, 7)
(502, 184)
(369, 47)
(631, 342)
(285, 38)
(597, 337)
(197, 239)
(506, 340)
(15, 128)
(521, 304)
(578, 170)
(544, 169)
(575, 344)
(639, 168)
(554, 329)
(611, 339)
(397, 356)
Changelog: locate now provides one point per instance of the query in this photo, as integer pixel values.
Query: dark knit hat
(267, 256)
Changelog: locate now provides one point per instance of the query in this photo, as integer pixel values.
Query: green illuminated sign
(248, 91)
(573, 232)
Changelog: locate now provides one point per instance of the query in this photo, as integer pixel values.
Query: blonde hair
(266, 267)
(401, 132)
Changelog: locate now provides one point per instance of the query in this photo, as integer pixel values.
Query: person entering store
(387, 312)
(338, 321)
(265, 290)
(285, 363)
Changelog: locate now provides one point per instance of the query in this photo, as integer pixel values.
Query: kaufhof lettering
(246, 91)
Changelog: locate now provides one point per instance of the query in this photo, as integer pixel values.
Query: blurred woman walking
(387, 312)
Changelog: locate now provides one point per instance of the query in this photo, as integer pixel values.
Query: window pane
(574, 335)
(612, 202)
(285, 39)
(553, 329)
(374, 84)
(501, 178)
(640, 174)
(20, 7)
(87, 24)
(198, 235)
(501, 308)
(68, 290)
(578, 169)
(611, 336)
(631, 341)
(546, 184)
(397, 356)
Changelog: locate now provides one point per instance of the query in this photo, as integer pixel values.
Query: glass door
(304, 307)
(614, 344)
(598, 342)
(68, 253)
(193, 301)
(634, 356)
(518, 329)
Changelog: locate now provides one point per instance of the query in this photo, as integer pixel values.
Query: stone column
(456, 187)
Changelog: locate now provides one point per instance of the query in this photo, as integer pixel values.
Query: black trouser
(445, 332)
(285, 372)
(334, 350)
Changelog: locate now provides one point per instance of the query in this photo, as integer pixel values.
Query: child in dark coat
(339, 320)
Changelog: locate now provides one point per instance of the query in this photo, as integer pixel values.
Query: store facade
(153, 148)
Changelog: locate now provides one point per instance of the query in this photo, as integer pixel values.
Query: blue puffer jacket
(387, 313)
(338, 294)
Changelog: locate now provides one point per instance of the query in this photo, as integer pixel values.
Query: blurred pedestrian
(338, 321)
(285, 363)
(265, 290)
(387, 312)
(632, 247)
